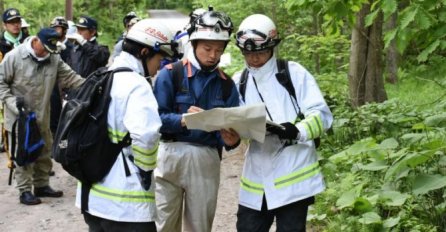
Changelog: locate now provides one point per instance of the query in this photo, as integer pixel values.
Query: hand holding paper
(247, 121)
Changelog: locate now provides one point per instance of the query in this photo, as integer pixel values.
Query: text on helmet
(157, 34)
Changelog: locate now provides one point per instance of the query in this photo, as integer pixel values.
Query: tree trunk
(366, 70)
(69, 9)
(392, 56)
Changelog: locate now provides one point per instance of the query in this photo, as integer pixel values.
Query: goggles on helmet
(214, 18)
(254, 40)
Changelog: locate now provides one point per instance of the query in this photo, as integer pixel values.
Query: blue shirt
(201, 89)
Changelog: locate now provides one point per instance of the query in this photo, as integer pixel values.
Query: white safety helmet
(211, 25)
(256, 33)
(153, 33)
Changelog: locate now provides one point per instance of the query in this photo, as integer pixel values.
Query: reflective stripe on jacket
(133, 109)
(284, 174)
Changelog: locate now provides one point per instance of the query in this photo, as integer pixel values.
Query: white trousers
(188, 175)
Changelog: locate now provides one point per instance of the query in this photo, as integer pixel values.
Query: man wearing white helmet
(125, 200)
(281, 176)
(188, 168)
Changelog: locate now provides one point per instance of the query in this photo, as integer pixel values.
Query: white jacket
(133, 109)
(284, 174)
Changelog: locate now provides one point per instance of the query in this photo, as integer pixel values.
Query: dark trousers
(289, 218)
(97, 224)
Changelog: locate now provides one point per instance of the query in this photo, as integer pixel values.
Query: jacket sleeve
(6, 79)
(67, 78)
(95, 53)
(318, 117)
(165, 95)
(141, 119)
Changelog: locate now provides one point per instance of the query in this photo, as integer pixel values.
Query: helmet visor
(254, 40)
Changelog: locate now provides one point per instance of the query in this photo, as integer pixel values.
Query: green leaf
(389, 143)
(438, 120)
(359, 147)
(371, 17)
(370, 218)
(362, 205)
(423, 20)
(425, 183)
(408, 16)
(393, 198)
(427, 51)
(388, 8)
(389, 36)
(410, 160)
(347, 199)
(391, 222)
(374, 166)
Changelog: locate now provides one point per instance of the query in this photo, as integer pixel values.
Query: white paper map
(248, 121)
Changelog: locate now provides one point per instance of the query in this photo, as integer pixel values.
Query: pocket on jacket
(184, 102)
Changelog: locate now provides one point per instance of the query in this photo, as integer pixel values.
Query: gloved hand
(77, 37)
(290, 131)
(146, 178)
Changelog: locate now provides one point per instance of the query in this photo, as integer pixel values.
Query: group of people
(280, 176)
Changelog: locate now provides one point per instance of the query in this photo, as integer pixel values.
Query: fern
(427, 51)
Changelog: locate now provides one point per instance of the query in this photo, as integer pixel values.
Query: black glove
(290, 131)
(146, 178)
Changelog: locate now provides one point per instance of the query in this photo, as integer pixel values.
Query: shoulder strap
(177, 75)
(243, 81)
(226, 84)
(284, 78)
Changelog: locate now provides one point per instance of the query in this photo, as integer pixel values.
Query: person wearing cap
(125, 202)
(25, 28)
(29, 72)
(87, 54)
(188, 167)
(13, 35)
(129, 20)
(10, 38)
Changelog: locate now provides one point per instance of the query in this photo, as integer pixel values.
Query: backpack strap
(177, 75)
(226, 84)
(284, 78)
(243, 81)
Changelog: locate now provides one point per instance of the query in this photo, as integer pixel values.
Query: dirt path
(60, 214)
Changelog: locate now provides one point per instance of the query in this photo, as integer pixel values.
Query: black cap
(87, 22)
(10, 14)
(49, 37)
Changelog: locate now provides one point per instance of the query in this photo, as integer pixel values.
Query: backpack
(30, 141)
(284, 78)
(178, 77)
(81, 143)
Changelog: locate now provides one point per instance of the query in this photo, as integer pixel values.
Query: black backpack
(81, 143)
(27, 142)
(284, 78)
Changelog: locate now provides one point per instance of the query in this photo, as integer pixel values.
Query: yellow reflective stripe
(121, 195)
(144, 152)
(146, 160)
(298, 176)
(146, 164)
(115, 135)
(307, 127)
(251, 186)
(313, 125)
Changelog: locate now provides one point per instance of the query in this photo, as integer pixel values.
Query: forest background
(381, 67)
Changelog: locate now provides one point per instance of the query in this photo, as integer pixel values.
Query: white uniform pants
(186, 174)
